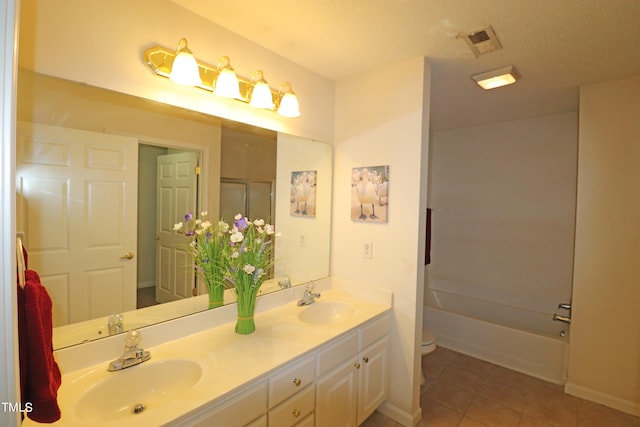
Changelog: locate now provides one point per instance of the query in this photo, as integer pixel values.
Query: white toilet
(428, 345)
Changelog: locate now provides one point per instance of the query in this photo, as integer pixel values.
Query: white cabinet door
(337, 395)
(373, 378)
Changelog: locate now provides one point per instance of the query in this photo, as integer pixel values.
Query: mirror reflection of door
(76, 204)
(177, 189)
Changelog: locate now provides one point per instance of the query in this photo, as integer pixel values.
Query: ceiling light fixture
(184, 70)
(223, 81)
(497, 78)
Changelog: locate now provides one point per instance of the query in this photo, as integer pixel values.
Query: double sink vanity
(321, 364)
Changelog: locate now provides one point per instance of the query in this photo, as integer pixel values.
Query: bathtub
(518, 338)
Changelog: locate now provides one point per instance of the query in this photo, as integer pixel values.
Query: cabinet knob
(365, 359)
(356, 365)
(296, 413)
(297, 382)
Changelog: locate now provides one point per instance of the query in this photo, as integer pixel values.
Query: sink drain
(138, 409)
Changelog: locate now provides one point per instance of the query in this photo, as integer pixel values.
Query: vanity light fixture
(288, 105)
(223, 81)
(227, 84)
(260, 96)
(184, 70)
(497, 78)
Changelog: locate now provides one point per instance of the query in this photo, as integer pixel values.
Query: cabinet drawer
(286, 382)
(374, 331)
(336, 354)
(294, 409)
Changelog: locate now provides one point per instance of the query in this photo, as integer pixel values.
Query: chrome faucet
(284, 283)
(115, 324)
(309, 297)
(132, 354)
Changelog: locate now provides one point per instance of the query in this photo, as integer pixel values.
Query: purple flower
(241, 223)
(188, 216)
(190, 233)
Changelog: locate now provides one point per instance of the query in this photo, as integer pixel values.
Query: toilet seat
(428, 341)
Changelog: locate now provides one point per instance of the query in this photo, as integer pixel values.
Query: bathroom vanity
(324, 364)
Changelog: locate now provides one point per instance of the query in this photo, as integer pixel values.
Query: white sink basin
(135, 390)
(324, 312)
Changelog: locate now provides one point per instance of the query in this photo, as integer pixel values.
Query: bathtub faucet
(558, 318)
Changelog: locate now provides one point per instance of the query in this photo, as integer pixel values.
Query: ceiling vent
(481, 41)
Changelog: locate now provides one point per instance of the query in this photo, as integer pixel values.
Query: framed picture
(303, 193)
(370, 193)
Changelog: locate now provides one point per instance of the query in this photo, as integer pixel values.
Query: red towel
(39, 373)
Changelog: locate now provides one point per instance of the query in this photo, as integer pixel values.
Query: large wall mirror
(101, 177)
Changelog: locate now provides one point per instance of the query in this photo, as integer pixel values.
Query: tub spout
(558, 318)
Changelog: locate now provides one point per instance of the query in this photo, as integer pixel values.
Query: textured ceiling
(557, 45)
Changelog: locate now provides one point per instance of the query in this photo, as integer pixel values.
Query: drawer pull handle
(365, 359)
(296, 413)
(297, 382)
(356, 365)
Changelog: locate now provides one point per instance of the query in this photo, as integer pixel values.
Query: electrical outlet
(303, 241)
(367, 250)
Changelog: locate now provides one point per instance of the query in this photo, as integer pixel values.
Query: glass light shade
(261, 96)
(497, 78)
(184, 70)
(227, 84)
(289, 105)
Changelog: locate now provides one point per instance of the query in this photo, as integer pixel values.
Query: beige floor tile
(449, 395)
(470, 422)
(478, 367)
(437, 415)
(594, 415)
(465, 392)
(461, 378)
(493, 413)
(513, 397)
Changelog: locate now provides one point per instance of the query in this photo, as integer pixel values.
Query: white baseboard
(398, 415)
(614, 402)
(146, 284)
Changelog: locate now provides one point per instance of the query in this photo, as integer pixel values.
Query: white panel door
(77, 197)
(177, 196)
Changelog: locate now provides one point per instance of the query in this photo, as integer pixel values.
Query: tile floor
(465, 392)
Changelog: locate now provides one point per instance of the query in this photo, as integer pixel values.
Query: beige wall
(503, 198)
(386, 126)
(604, 362)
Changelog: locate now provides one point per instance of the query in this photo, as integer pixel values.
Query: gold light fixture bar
(160, 60)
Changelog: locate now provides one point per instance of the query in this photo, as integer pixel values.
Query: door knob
(128, 255)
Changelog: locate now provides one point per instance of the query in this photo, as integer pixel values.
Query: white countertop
(228, 360)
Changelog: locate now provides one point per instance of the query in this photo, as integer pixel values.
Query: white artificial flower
(177, 226)
(258, 222)
(236, 237)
